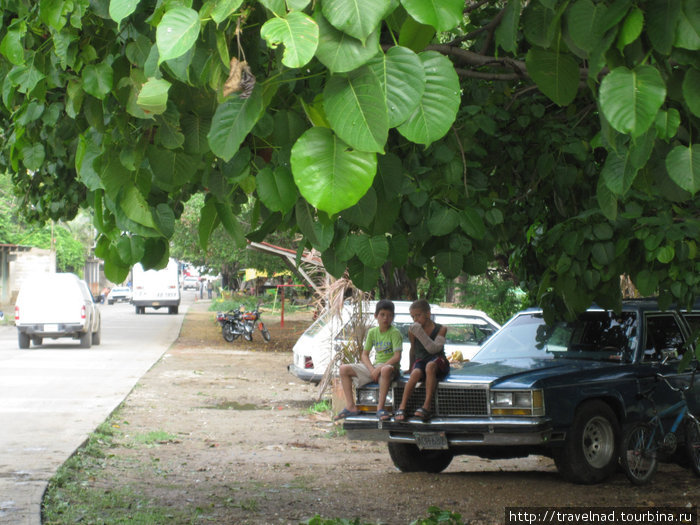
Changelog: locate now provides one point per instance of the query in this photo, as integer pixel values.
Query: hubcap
(598, 442)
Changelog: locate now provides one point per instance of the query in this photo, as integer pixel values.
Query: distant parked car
(467, 331)
(119, 294)
(190, 283)
(56, 305)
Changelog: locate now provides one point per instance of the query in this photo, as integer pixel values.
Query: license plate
(50, 328)
(431, 440)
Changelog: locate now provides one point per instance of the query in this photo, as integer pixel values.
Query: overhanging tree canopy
(397, 137)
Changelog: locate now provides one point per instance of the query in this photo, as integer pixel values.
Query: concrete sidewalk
(53, 397)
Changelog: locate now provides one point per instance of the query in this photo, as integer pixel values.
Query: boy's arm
(411, 351)
(433, 347)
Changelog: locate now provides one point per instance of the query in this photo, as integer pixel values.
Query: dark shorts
(443, 365)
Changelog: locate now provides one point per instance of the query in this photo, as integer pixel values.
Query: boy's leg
(430, 384)
(415, 377)
(346, 374)
(386, 375)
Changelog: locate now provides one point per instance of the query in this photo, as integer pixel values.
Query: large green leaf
(153, 97)
(177, 32)
(276, 188)
(208, 221)
(33, 156)
(371, 250)
(507, 31)
(356, 109)
(11, 46)
(443, 15)
(631, 98)
(688, 29)
(450, 263)
(662, 18)
(329, 174)
(223, 9)
(297, 32)
(231, 224)
(619, 172)
(232, 122)
(363, 276)
(120, 9)
(666, 123)
(631, 28)
(414, 35)
(437, 110)
(97, 79)
(340, 52)
(171, 169)
(537, 23)
(135, 207)
(357, 18)
(691, 90)
(402, 79)
(585, 23)
(472, 223)
(683, 165)
(555, 73)
(442, 220)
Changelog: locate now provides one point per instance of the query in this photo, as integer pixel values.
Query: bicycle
(643, 441)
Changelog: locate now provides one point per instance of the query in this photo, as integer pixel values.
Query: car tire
(638, 461)
(409, 458)
(692, 444)
(110, 302)
(172, 309)
(36, 341)
(589, 454)
(97, 336)
(22, 340)
(86, 340)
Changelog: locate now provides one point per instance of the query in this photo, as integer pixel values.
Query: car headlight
(368, 398)
(517, 403)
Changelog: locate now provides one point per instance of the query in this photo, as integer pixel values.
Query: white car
(119, 294)
(57, 305)
(190, 283)
(467, 330)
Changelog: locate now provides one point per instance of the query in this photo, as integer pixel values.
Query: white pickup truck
(56, 305)
(156, 288)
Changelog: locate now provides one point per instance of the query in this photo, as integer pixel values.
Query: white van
(467, 330)
(57, 305)
(156, 288)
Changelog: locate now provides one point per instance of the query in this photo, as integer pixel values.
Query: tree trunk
(395, 284)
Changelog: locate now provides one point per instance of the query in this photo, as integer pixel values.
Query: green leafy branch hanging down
(400, 138)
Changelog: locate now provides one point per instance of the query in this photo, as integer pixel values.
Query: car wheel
(638, 454)
(589, 454)
(22, 340)
(409, 458)
(692, 444)
(97, 336)
(110, 302)
(86, 340)
(36, 341)
(172, 309)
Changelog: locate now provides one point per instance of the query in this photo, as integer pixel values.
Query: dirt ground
(240, 444)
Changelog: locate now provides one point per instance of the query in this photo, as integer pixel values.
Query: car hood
(524, 371)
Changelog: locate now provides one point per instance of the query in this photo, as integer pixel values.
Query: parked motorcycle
(232, 326)
(250, 321)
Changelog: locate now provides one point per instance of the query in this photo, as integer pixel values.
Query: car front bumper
(304, 374)
(487, 431)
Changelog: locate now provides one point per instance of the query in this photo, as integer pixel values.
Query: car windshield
(595, 335)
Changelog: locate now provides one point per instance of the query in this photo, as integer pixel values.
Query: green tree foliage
(396, 136)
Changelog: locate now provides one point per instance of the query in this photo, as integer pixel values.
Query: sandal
(423, 414)
(346, 413)
(400, 415)
(383, 415)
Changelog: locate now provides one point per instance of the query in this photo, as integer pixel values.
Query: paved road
(52, 397)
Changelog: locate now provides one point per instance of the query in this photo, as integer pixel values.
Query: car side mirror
(667, 354)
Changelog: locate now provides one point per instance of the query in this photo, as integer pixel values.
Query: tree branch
(469, 73)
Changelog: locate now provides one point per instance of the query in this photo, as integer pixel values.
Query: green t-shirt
(384, 343)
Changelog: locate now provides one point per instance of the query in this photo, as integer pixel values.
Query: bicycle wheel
(638, 453)
(692, 444)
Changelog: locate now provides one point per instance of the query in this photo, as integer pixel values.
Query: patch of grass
(335, 432)
(155, 437)
(320, 407)
(73, 496)
(437, 516)
(233, 405)
(318, 520)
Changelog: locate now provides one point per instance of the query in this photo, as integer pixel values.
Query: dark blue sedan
(564, 391)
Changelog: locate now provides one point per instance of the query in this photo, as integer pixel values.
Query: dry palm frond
(336, 296)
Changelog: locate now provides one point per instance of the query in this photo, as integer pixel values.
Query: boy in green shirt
(387, 343)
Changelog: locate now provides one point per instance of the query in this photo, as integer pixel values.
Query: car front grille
(448, 401)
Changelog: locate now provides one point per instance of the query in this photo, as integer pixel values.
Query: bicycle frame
(682, 408)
